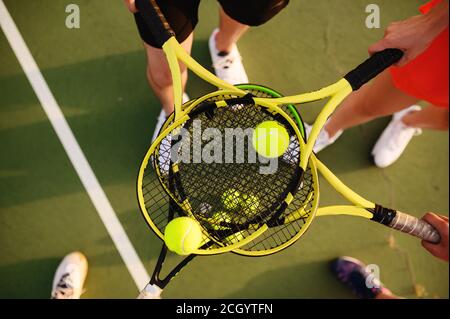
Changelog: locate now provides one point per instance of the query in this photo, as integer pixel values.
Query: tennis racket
(162, 208)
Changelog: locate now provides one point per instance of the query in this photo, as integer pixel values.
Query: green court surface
(97, 75)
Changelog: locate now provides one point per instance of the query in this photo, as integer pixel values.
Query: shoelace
(64, 288)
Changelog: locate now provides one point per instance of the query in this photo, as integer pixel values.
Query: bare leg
(377, 99)
(158, 74)
(432, 117)
(229, 32)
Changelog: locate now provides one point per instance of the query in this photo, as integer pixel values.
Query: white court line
(73, 150)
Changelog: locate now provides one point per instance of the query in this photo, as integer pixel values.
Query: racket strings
(237, 181)
(224, 222)
(290, 222)
(201, 182)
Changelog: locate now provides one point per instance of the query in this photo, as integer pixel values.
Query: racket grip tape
(155, 20)
(373, 66)
(406, 223)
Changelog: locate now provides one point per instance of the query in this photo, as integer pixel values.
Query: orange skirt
(426, 77)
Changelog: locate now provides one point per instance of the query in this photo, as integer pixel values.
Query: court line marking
(73, 149)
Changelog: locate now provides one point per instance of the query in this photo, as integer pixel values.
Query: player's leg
(432, 117)
(403, 127)
(182, 17)
(158, 74)
(235, 18)
(160, 80)
(377, 99)
(228, 33)
(381, 98)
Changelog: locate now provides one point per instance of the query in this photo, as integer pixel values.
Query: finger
(437, 222)
(433, 249)
(378, 46)
(403, 61)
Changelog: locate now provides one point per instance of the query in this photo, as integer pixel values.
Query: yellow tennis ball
(231, 199)
(183, 235)
(250, 203)
(270, 139)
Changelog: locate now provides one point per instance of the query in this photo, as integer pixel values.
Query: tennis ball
(270, 139)
(249, 203)
(231, 199)
(183, 235)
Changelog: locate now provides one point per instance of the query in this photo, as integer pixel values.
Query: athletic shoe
(70, 276)
(163, 117)
(354, 274)
(323, 139)
(394, 139)
(164, 146)
(227, 65)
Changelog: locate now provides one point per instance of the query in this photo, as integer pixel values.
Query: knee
(160, 76)
(367, 110)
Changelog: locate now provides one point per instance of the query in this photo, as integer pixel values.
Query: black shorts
(182, 15)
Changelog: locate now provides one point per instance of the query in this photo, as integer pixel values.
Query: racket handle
(405, 223)
(373, 66)
(415, 227)
(155, 20)
(150, 292)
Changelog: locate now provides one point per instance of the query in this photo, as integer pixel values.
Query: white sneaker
(70, 276)
(165, 144)
(229, 66)
(163, 117)
(323, 139)
(394, 139)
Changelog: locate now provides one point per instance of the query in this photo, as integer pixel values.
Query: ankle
(386, 294)
(330, 131)
(222, 43)
(407, 122)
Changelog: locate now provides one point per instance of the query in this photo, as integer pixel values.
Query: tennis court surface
(53, 202)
